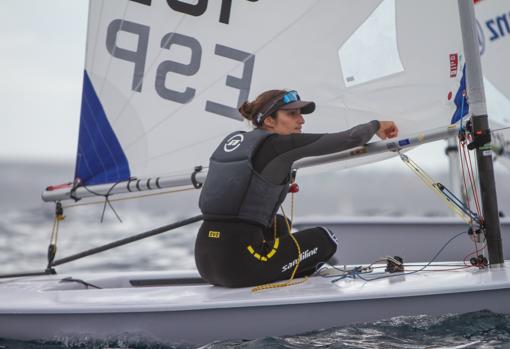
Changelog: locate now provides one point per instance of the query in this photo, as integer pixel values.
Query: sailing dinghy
(161, 86)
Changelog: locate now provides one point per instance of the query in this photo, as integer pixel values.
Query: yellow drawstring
(289, 282)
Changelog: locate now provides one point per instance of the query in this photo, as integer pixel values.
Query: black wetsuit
(240, 253)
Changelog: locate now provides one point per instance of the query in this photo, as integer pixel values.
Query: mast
(481, 132)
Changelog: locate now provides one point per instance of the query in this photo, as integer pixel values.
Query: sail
(493, 20)
(163, 79)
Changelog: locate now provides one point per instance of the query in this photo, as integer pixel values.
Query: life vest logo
(214, 234)
(233, 143)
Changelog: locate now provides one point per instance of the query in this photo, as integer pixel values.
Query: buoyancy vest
(233, 190)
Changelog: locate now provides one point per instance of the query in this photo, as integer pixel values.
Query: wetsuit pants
(239, 254)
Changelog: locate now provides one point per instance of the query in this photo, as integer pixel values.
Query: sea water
(483, 329)
(26, 223)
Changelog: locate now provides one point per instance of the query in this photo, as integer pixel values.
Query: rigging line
(472, 177)
(107, 201)
(458, 203)
(458, 265)
(322, 267)
(450, 269)
(474, 253)
(459, 208)
(206, 88)
(464, 168)
(414, 271)
(432, 184)
(179, 173)
(463, 161)
(53, 230)
(151, 65)
(476, 180)
(467, 161)
(466, 194)
(129, 198)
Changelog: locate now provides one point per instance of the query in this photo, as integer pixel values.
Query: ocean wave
(482, 329)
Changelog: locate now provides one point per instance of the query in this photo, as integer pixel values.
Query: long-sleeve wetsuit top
(276, 155)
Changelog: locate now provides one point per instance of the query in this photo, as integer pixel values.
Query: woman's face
(286, 122)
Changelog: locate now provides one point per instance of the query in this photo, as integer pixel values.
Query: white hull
(366, 239)
(44, 308)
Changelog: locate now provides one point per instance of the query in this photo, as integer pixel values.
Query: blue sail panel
(100, 158)
(461, 100)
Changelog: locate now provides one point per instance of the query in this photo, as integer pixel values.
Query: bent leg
(317, 246)
(236, 256)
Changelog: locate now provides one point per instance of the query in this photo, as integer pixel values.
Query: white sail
(163, 80)
(493, 17)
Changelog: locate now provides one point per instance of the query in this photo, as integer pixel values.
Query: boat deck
(184, 290)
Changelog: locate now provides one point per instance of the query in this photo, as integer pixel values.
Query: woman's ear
(269, 122)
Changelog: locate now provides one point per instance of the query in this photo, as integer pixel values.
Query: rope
(131, 197)
(356, 272)
(435, 187)
(466, 166)
(54, 230)
(474, 253)
(291, 281)
(463, 210)
(473, 184)
(52, 247)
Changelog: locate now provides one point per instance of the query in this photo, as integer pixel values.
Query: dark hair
(249, 110)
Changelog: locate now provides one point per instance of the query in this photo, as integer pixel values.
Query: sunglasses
(287, 98)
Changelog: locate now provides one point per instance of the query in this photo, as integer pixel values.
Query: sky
(42, 52)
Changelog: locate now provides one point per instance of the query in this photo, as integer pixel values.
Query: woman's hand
(387, 129)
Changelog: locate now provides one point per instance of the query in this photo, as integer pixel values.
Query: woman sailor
(242, 241)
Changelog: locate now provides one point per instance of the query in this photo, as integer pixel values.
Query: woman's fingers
(387, 129)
